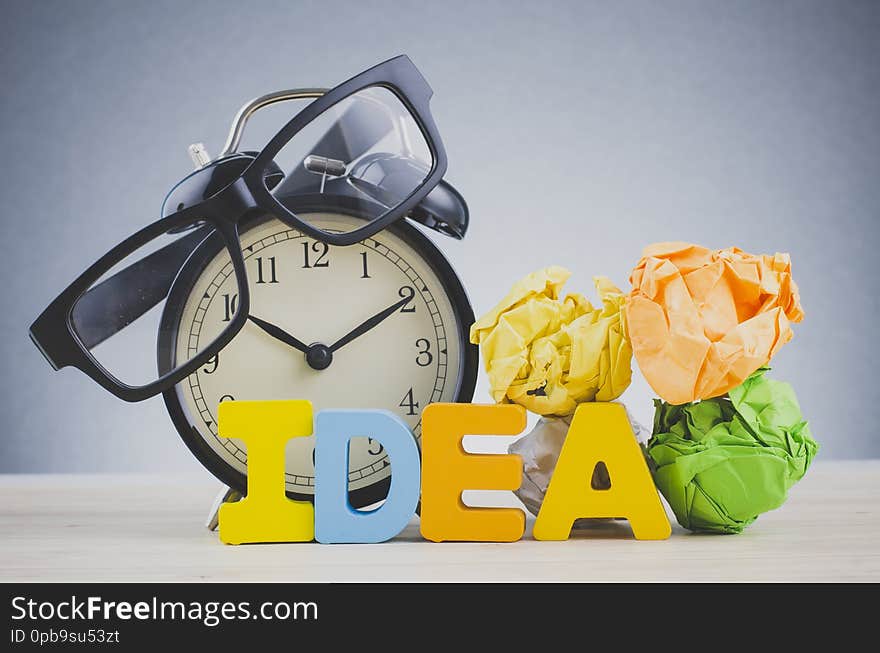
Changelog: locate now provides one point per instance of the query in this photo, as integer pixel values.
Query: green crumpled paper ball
(722, 462)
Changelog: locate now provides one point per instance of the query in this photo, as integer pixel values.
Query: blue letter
(336, 522)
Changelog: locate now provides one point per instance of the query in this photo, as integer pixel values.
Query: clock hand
(362, 328)
(280, 334)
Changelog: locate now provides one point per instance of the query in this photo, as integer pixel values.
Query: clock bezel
(192, 269)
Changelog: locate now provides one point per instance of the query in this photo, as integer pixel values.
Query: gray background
(577, 131)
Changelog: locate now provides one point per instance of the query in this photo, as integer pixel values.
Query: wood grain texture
(110, 528)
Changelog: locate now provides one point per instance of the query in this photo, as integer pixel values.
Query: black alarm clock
(305, 298)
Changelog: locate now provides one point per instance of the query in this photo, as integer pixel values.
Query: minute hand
(362, 328)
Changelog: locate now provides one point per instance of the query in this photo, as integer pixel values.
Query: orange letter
(601, 432)
(447, 470)
(265, 514)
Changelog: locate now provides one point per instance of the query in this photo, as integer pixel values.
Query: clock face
(318, 294)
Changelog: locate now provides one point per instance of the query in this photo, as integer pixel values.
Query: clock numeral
(409, 292)
(318, 248)
(226, 398)
(230, 305)
(375, 447)
(365, 275)
(211, 363)
(271, 266)
(425, 357)
(409, 403)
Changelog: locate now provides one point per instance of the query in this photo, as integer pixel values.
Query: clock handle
(241, 118)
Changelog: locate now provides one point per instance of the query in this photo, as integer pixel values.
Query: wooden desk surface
(111, 528)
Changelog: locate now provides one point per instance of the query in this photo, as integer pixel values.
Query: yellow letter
(265, 514)
(447, 470)
(601, 432)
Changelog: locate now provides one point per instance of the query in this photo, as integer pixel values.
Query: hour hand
(280, 334)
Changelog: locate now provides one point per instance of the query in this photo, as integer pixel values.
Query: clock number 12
(321, 250)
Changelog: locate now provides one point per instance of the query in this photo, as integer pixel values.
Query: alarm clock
(383, 323)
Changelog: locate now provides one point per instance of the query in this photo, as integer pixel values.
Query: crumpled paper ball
(549, 355)
(722, 462)
(539, 450)
(702, 320)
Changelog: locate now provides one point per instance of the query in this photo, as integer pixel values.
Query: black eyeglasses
(371, 142)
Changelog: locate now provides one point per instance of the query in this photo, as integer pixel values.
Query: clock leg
(225, 495)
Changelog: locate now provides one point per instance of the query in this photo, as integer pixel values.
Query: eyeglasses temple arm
(112, 305)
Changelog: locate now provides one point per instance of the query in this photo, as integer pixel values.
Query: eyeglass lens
(118, 318)
(367, 147)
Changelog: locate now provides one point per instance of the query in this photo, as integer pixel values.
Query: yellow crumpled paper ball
(548, 355)
(702, 321)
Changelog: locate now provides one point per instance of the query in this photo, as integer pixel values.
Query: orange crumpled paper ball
(701, 321)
